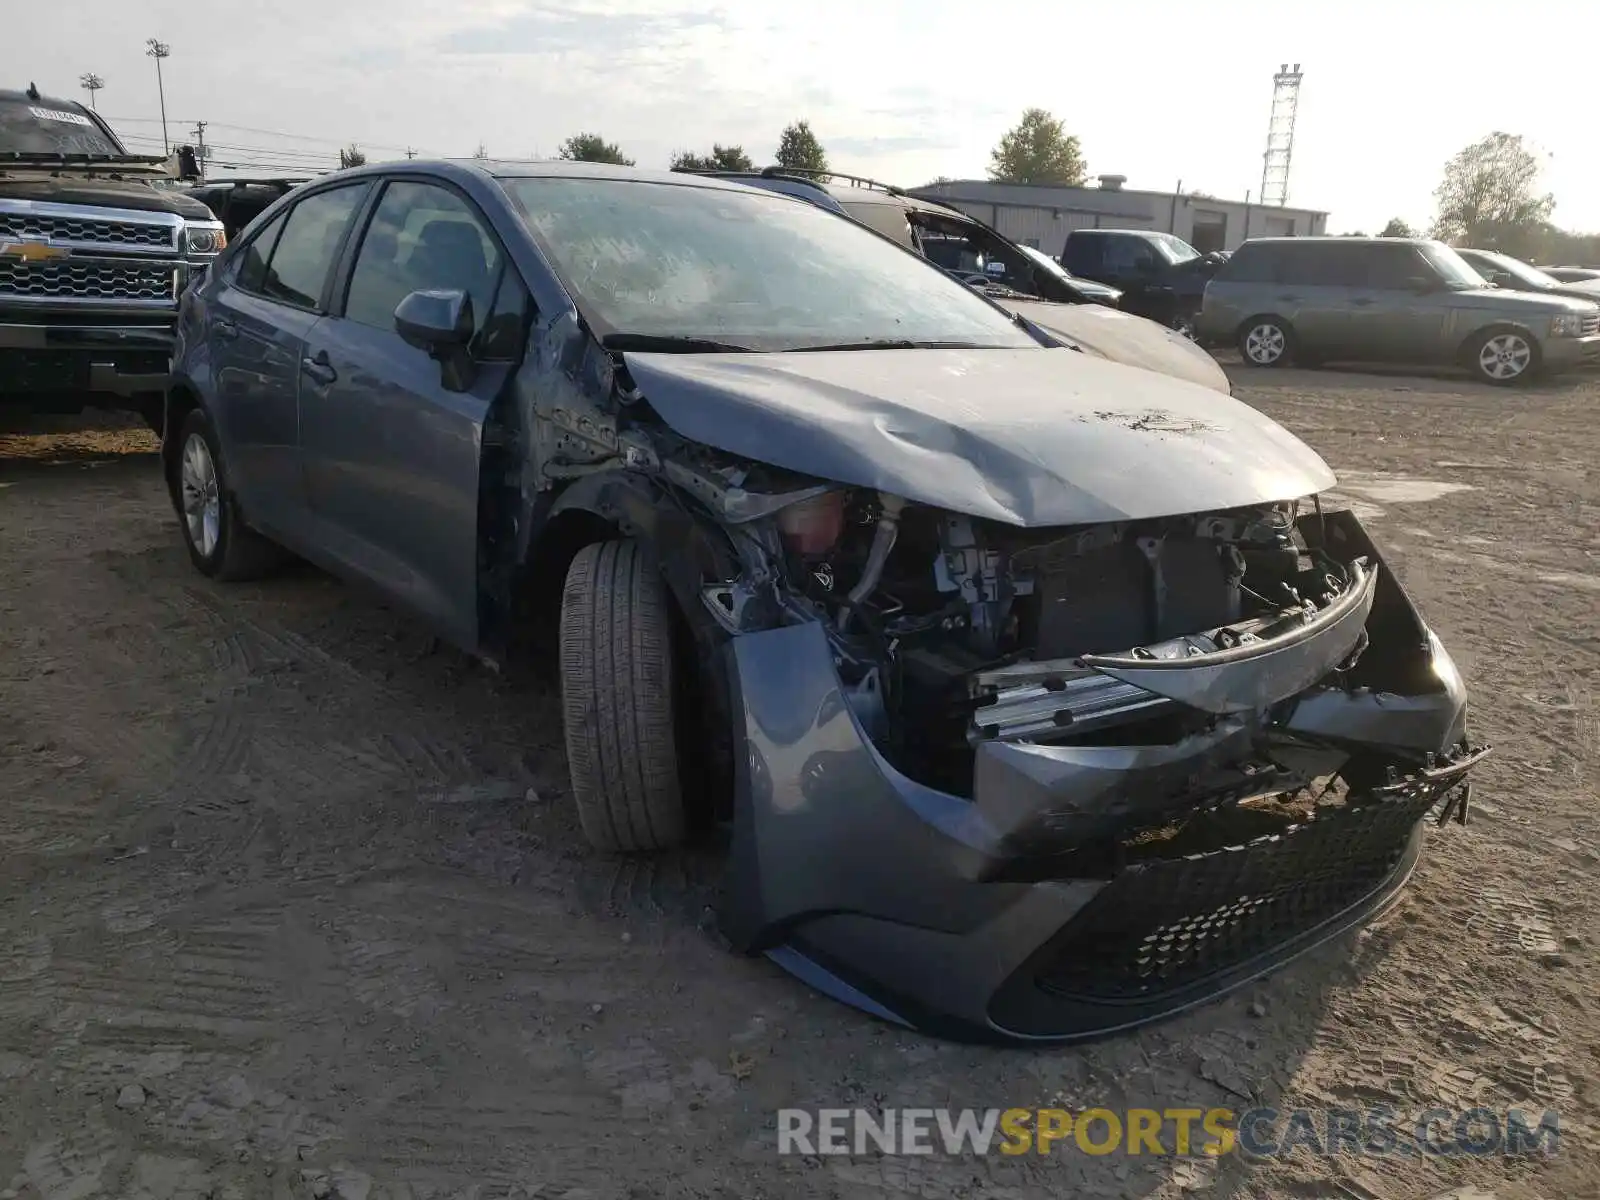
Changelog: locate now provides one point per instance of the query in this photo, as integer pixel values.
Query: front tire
(617, 698)
(220, 544)
(1504, 357)
(1265, 342)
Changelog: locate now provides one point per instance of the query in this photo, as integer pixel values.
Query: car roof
(565, 169)
(43, 101)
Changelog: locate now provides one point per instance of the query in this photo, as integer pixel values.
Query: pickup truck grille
(82, 231)
(1591, 324)
(99, 280)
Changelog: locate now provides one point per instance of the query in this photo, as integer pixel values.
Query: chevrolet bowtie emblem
(31, 251)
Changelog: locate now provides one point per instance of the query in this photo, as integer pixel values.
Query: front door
(1397, 313)
(392, 455)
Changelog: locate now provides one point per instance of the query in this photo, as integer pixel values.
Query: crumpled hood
(1124, 338)
(1031, 437)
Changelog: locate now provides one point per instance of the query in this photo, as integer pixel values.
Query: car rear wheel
(1504, 357)
(617, 698)
(220, 544)
(1265, 342)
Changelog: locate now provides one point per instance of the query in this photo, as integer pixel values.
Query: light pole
(158, 50)
(91, 83)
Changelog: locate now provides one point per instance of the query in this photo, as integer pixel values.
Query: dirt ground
(292, 902)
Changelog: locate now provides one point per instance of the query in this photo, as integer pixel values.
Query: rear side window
(1317, 263)
(1082, 253)
(304, 255)
(1391, 267)
(252, 275)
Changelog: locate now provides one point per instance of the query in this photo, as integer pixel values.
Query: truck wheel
(1265, 342)
(617, 700)
(220, 544)
(1504, 356)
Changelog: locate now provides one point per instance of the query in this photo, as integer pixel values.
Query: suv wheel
(1265, 342)
(1504, 356)
(220, 544)
(617, 700)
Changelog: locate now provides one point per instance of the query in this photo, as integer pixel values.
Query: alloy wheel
(1265, 344)
(1505, 356)
(202, 496)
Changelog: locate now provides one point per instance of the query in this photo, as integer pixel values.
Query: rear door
(1310, 289)
(391, 454)
(262, 312)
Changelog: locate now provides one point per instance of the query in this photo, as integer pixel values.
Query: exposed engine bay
(950, 631)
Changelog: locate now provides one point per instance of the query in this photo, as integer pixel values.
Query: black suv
(94, 253)
(237, 202)
(1160, 276)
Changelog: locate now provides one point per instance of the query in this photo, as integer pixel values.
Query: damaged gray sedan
(1042, 695)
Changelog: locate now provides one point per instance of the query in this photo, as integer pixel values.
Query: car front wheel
(1504, 357)
(617, 700)
(220, 544)
(1265, 342)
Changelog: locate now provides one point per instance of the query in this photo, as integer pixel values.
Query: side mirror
(435, 320)
(440, 321)
(1421, 284)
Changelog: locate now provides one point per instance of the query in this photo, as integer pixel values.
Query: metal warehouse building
(1041, 216)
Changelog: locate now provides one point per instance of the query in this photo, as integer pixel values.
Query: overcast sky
(903, 91)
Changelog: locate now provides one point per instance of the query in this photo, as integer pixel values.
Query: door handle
(225, 328)
(319, 368)
(1289, 299)
(1362, 301)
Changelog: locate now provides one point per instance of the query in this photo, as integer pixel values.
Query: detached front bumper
(985, 919)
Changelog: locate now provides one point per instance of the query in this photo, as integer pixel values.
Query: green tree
(591, 147)
(1397, 228)
(1489, 198)
(350, 156)
(798, 147)
(1038, 150)
(721, 158)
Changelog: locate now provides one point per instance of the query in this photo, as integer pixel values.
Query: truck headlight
(1566, 325)
(204, 237)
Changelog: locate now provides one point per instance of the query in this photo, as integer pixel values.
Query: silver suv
(1312, 300)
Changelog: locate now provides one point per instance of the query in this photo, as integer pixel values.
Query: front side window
(743, 268)
(1392, 268)
(1454, 270)
(252, 276)
(1129, 254)
(422, 237)
(303, 257)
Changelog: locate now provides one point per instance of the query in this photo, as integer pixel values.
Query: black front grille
(1591, 324)
(1163, 925)
(85, 231)
(88, 280)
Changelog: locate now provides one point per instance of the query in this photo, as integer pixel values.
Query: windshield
(1050, 264)
(1527, 276)
(1174, 249)
(1456, 271)
(744, 268)
(27, 128)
